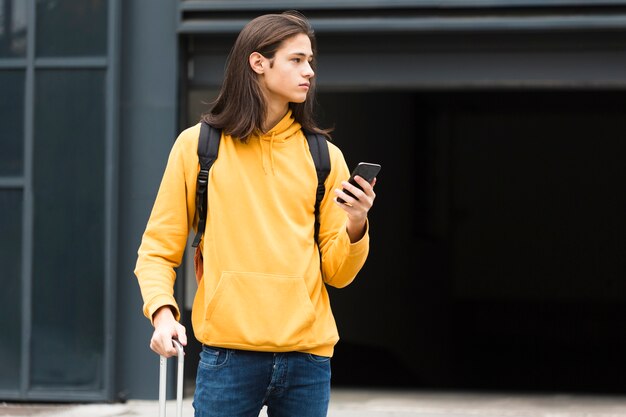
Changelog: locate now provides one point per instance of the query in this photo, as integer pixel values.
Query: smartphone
(365, 170)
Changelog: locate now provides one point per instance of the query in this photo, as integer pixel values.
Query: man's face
(287, 78)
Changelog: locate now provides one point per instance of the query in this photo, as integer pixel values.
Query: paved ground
(362, 403)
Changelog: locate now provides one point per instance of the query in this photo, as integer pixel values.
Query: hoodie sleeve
(341, 259)
(166, 233)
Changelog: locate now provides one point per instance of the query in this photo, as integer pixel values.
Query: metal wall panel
(91, 50)
(148, 128)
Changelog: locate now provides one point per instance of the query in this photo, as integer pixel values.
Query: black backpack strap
(208, 147)
(321, 158)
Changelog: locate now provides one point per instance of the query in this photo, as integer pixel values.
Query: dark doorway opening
(498, 250)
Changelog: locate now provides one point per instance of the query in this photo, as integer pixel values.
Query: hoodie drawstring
(271, 154)
(279, 135)
(262, 156)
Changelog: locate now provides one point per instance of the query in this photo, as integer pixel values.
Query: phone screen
(365, 170)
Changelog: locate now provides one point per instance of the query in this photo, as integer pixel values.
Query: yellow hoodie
(262, 287)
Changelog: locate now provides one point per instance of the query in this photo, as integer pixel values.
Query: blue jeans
(237, 383)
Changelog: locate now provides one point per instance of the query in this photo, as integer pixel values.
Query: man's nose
(308, 71)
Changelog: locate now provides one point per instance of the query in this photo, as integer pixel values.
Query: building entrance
(497, 240)
(498, 233)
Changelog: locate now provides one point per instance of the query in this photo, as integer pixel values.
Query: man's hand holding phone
(357, 197)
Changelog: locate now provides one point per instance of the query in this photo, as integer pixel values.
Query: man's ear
(257, 62)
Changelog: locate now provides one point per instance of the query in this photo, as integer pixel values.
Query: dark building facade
(498, 235)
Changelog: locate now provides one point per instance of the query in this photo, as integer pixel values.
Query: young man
(261, 310)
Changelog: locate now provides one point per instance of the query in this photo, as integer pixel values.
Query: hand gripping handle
(179, 381)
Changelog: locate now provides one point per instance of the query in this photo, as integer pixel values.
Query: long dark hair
(240, 107)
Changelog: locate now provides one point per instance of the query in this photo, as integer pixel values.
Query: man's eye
(295, 59)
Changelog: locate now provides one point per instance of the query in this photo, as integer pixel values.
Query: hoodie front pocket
(262, 310)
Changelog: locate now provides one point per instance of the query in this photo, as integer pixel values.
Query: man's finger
(356, 191)
(169, 346)
(348, 200)
(182, 335)
(163, 345)
(158, 348)
(367, 187)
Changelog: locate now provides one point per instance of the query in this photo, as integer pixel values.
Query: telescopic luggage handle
(179, 381)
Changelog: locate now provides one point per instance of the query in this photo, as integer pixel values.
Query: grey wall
(148, 123)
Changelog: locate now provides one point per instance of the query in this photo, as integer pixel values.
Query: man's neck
(275, 113)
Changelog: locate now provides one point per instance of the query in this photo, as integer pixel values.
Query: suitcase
(179, 381)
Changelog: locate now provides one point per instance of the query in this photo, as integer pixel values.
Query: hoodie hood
(284, 130)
